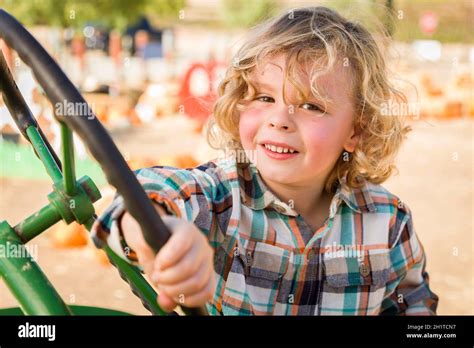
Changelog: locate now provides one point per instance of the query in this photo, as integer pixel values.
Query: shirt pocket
(255, 278)
(355, 287)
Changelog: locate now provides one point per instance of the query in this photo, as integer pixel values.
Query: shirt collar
(255, 194)
(358, 199)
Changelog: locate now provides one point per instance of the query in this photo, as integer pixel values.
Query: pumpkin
(429, 87)
(178, 161)
(453, 109)
(100, 256)
(69, 236)
(137, 163)
(186, 161)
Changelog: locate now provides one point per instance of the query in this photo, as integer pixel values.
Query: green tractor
(71, 199)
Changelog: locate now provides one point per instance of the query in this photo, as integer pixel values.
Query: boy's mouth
(278, 152)
(277, 147)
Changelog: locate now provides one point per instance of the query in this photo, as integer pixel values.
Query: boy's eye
(265, 99)
(312, 107)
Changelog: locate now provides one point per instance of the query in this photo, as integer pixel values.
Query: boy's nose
(279, 126)
(281, 121)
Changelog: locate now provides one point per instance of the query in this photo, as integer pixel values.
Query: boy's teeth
(278, 149)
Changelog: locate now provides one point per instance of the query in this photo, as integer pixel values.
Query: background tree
(116, 14)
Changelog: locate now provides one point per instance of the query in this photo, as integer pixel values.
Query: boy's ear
(352, 141)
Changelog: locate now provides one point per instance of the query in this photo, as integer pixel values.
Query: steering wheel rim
(59, 89)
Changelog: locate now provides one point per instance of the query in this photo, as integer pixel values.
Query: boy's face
(319, 138)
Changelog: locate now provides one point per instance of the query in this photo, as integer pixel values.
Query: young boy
(298, 225)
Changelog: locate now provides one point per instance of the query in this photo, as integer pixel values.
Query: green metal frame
(76, 310)
(71, 200)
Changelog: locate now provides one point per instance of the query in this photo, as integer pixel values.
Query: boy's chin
(281, 176)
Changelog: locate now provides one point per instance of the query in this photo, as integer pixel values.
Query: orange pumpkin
(186, 161)
(101, 256)
(137, 163)
(178, 161)
(69, 236)
(429, 87)
(453, 109)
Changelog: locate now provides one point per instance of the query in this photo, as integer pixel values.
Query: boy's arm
(186, 194)
(408, 292)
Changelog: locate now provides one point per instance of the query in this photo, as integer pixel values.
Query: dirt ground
(435, 180)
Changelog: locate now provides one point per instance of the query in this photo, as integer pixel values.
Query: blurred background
(150, 69)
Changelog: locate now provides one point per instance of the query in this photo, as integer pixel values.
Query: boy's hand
(182, 271)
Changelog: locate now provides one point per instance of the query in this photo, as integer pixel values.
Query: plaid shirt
(365, 260)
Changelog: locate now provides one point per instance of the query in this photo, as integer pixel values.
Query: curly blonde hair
(322, 37)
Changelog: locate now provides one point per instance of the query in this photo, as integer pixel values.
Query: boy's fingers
(191, 285)
(132, 232)
(201, 297)
(146, 258)
(166, 303)
(180, 271)
(177, 246)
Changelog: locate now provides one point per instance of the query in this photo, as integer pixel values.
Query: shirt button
(364, 270)
(279, 208)
(249, 258)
